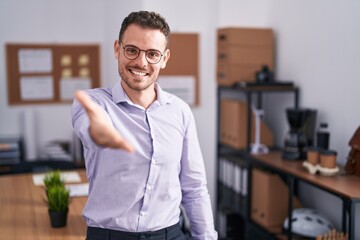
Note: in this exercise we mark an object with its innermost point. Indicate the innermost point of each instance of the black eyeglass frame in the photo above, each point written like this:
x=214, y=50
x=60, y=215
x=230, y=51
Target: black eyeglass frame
x=141, y=50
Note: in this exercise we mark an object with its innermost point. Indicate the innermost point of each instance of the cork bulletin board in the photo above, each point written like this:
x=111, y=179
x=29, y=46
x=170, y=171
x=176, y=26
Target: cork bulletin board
x=181, y=75
x=50, y=73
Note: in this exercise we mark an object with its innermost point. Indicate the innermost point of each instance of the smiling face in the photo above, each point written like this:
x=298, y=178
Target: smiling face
x=138, y=74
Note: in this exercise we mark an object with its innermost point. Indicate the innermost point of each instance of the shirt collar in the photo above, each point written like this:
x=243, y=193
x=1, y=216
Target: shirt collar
x=119, y=95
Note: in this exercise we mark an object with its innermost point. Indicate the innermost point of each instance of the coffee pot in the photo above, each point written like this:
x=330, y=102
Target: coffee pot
x=301, y=133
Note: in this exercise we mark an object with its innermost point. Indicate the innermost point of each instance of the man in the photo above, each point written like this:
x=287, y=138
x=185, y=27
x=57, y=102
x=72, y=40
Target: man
x=141, y=149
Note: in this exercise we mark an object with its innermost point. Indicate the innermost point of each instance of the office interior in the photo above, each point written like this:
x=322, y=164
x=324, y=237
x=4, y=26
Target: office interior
x=316, y=47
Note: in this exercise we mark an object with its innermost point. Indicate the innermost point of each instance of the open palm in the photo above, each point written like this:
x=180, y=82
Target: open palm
x=101, y=130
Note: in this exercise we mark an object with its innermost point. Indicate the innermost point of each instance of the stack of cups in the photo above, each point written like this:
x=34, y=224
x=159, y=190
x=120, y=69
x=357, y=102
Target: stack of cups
x=321, y=154
x=323, y=158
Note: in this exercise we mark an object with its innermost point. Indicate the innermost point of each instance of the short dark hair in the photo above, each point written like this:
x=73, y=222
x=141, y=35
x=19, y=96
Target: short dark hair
x=145, y=19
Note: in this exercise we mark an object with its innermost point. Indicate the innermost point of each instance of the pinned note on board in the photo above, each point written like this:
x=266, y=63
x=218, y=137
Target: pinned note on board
x=181, y=86
x=35, y=60
x=84, y=59
x=66, y=60
x=183, y=63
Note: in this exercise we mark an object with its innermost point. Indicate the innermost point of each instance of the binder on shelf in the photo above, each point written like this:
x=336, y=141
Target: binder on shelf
x=230, y=175
x=244, y=190
x=237, y=179
x=233, y=174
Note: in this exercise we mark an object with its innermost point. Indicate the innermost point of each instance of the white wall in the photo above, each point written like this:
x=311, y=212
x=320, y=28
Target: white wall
x=243, y=13
x=114, y=13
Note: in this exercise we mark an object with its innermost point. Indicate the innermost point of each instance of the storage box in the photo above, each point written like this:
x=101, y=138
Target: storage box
x=245, y=36
x=233, y=124
x=269, y=199
x=242, y=52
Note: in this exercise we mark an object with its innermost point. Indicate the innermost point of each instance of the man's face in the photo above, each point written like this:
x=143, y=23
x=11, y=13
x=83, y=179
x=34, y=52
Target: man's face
x=139, y=74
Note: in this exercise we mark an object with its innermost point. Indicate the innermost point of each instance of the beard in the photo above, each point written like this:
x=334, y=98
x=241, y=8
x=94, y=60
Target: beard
x=136, y=84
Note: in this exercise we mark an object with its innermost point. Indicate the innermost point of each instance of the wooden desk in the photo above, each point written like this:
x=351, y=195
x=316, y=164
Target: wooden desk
x=24, y=213
x=346, y=187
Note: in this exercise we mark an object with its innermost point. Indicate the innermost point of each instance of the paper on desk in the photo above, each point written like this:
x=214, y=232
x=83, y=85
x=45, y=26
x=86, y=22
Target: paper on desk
x=78, y=190
x=67, y=177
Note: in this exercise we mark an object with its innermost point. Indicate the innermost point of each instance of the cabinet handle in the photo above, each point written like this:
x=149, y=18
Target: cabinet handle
x=222, y=37
x=222, y=55
x=221, y=75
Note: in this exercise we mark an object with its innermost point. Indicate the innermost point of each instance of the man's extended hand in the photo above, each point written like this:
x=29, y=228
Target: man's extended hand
x=101, y=130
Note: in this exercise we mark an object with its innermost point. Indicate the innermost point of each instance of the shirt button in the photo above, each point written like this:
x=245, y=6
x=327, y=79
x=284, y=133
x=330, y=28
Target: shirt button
x=142, y=213
x=148, y=187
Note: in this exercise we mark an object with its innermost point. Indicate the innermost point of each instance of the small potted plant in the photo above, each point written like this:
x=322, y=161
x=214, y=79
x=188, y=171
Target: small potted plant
x=58, y=199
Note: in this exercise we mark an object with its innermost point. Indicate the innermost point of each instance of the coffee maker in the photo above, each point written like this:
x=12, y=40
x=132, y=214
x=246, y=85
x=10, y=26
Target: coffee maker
x=302, y=123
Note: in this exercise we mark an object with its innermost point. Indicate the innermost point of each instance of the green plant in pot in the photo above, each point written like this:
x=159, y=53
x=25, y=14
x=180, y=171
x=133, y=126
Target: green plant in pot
x=58, y=200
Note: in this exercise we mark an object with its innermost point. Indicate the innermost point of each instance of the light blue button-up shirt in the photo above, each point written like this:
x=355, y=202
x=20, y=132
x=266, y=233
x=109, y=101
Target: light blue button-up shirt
x=142, y=191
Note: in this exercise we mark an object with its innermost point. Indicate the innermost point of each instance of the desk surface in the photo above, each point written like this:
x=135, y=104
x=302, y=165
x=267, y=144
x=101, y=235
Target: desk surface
x=343, y=185
x=24, y=214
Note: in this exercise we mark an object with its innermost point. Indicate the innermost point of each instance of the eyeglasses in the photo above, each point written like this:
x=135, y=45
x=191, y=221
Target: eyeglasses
x=152, y=56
